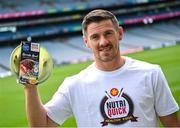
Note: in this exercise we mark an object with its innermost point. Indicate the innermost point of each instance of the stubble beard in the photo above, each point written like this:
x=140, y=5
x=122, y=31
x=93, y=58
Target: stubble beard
x=108, y=58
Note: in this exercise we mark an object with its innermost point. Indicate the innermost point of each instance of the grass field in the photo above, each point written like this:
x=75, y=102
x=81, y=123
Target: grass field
x=12, y=104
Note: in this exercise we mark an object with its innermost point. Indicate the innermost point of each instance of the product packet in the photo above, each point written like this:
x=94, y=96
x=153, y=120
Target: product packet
x=29, y=63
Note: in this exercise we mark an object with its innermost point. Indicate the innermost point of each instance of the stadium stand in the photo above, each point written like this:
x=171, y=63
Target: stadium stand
x=47, y=23
x=154, y=35
x=56, y=25
x=171, y=29
x=62, y=5
x=63, y=53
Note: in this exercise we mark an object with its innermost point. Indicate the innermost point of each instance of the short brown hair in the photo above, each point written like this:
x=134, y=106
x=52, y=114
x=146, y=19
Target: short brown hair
x=97, y=16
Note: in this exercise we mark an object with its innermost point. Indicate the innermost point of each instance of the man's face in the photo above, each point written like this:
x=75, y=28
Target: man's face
x=103, y=39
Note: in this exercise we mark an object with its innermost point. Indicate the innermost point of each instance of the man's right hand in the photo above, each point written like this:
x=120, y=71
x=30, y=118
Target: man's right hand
x=36, y=113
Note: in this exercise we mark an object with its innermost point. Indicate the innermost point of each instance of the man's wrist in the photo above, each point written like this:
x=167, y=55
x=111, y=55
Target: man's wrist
x=29, y=86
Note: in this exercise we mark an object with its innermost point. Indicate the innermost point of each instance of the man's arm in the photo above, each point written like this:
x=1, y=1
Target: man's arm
x=171, y=120
x=36, y=114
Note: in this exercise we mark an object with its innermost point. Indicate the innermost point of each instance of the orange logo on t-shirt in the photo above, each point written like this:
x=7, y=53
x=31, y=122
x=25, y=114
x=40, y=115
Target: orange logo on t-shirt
x=114, y=92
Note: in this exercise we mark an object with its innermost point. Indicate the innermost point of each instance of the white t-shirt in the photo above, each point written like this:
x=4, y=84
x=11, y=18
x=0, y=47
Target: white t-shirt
x=131, y=96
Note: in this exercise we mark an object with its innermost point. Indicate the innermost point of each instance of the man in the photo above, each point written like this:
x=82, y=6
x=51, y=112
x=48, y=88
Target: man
x=114, y=91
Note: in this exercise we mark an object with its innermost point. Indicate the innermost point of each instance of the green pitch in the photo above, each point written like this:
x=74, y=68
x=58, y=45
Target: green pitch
x=12, y=102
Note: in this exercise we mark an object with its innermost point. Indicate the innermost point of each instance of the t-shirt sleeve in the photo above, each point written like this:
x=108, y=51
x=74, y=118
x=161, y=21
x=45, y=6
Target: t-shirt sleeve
x=165, y=103
x=58, y=108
